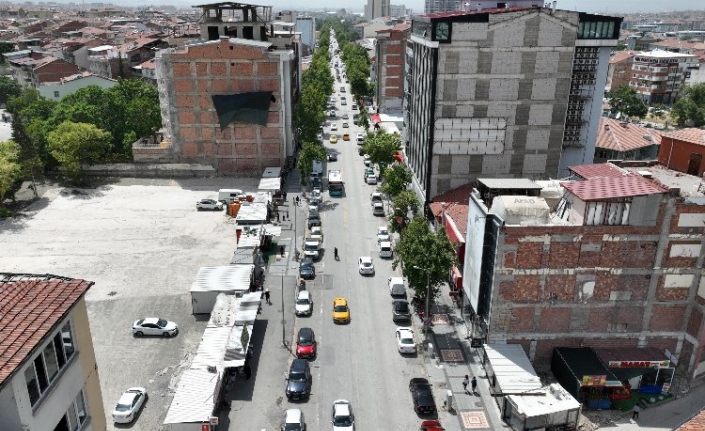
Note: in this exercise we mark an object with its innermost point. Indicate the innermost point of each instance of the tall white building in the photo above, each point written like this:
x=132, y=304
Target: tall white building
x=306, y=27
x=376, y=9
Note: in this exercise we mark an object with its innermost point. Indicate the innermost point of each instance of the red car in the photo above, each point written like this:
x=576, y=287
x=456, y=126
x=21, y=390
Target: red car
x=306, y=343
x=431, y=426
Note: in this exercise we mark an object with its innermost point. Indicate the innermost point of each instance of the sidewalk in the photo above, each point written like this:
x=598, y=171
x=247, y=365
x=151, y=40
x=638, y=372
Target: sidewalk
x=453, y=358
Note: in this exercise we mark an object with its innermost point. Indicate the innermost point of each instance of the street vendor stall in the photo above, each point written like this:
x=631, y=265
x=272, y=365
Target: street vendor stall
x=580, y=371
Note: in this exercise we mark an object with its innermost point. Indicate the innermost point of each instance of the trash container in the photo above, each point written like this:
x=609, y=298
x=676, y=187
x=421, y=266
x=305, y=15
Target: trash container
x=449, y=399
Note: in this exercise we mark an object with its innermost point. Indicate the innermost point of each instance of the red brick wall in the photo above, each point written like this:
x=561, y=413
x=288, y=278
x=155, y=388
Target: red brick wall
x=675, y=154
x=54, y=71
x=223, y=68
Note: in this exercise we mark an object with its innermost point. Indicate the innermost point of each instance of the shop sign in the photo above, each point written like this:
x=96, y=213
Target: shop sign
x=205, y=427
x=594, y=380
x=640, y=364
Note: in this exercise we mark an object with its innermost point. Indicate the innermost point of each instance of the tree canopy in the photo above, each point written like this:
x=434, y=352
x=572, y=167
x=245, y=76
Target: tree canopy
x=626, y=100
x=381, y=147
x=310, y=151
x=396, y=179
x=690, y=106
x=10, y=169
x=426, y=256
x=74, y=144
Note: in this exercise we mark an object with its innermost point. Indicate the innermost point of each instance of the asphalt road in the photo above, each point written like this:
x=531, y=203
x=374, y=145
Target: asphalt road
x=359, y=361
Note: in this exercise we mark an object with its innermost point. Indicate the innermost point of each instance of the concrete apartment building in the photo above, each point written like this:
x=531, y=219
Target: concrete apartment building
x=376, y=9
x=619, y=71
x=659, y=76
x=618, y=264
x=683, y=150
x=496, y=93
x=48, y=373
x=306, y=27
x=389, y=67
x=228, y=102
x=398, y=10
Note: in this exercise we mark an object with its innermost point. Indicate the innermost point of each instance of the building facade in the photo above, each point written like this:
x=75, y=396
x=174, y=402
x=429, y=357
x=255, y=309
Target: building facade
x=48, y=373
x=618, y=140
x=659, y=76
x=228, y=102
x=619, y=71
x=683, y=151
x=617, y=264
x=376, y=9
x=389, y=67
x=306, y=27
x=398, y=10
x=513, y=92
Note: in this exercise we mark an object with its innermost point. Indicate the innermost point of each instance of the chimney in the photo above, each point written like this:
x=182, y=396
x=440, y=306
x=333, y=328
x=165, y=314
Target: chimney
x=607, y=126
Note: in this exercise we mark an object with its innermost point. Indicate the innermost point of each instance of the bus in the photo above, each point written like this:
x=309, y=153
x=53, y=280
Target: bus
x=336, y=186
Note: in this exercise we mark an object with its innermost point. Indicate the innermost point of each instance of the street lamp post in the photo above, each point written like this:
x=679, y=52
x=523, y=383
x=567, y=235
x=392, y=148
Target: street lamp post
x=283, y=317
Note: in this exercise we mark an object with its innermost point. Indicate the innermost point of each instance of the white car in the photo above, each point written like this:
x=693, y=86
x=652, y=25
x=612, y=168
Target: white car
x=294, y=420
x=385, y=250
x=209, y=204
x=304, y=303
x=378, y=209
x=365, y=266
x=367, y=159
x=312, y=248
x=405, y=340
x=333, y=127
x=382, y=234
x=342, y=417
x=376, y=197
x=154, y=326
x=129, y=404
x=371, y=179
x=360, y=138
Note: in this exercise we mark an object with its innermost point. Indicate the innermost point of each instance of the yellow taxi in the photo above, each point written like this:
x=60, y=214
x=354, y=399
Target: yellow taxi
x=333, y=139
x=341, y=312
x=316, y=234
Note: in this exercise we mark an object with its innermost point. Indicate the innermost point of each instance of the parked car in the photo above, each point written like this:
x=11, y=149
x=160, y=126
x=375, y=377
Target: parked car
x=129, y=405
x=298, y=384
x=293, y=421
x=367, y=160
x=306, y=343
x=333, y=127
x=400, y=310
x=333, y=139
x=341, y=311
x=396, y=287
x=314, y=220
x=376, y=197
x=431, y=426
x=346, y=136
x=307, y=270
x=346, y=117
x=378, y=209
x=422, y=396
x=365, y=266
x=209, y=204
x=304, y=303
x=345, y=125
x=332, y=157
x=154, y=326
x=385, y=250
x=405, y=340
x=342, y=416
x=383, y=234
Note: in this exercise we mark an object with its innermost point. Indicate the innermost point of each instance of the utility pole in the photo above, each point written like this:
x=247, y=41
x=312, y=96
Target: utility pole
x=283, y=326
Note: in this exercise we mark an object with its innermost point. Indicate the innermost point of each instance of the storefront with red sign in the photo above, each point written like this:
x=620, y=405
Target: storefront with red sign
x=646, y=371
x=580, y=372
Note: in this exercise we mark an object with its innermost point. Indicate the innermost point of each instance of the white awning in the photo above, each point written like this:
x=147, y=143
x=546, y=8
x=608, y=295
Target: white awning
x=226, y=279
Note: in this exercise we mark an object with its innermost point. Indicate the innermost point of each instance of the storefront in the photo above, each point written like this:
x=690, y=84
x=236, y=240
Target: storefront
x=646, y=371
x=580, y=371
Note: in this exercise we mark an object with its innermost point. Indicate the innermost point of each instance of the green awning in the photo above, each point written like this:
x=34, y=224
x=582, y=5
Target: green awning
x=249, y=108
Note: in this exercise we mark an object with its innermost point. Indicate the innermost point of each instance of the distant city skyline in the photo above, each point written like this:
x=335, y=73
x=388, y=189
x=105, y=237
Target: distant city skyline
x=593, y=6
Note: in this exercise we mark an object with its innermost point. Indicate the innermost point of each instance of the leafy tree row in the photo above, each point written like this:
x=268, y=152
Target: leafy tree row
x=103, y=122
x=690, y=106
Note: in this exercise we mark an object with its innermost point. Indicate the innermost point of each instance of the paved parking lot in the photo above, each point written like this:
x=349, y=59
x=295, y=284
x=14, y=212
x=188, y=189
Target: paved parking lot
x=141, y=242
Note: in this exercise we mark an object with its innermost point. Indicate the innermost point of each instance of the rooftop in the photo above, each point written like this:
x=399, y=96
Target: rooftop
x=664, y=54
x=30, y=307
x=621, y=56
x=597, y=170
x=598, y=189
x=692, y=135
x=619, y=136
x=459, y=13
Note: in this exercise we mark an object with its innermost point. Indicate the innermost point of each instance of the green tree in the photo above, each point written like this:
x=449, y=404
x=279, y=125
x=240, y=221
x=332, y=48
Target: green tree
x=381, y=148
x=364, y=120
x=8, y=88
x=76, y=144
x=10, y=170
x=620, y=47
x=426, y=257
x=403, y=203
x=396, y=178
x=310, y=151
x=626, y=100
x=690, y=107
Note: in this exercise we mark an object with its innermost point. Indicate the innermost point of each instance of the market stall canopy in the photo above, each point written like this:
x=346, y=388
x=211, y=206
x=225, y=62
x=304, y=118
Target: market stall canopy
x=577, y=367
x=270, y=184
x=511, y=368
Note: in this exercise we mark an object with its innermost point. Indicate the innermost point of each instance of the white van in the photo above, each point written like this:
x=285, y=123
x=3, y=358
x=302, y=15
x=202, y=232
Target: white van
x=229, y=195
x=385, y=249
x=396, y=286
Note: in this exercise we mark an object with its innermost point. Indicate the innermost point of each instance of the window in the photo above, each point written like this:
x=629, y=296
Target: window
x=617, y=327
x=612, y=213
x=47, y=365
x=56, y=94
x=75, y=416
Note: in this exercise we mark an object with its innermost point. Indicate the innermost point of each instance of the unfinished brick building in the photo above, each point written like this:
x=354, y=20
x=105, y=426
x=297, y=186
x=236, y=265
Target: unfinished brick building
x=619, y=263
x=228, y=102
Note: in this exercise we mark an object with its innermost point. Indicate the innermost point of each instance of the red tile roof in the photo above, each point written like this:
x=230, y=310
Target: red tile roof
x=459, y=195
x=620, y=136
x=455, y=204
x=621, y=56
x=598, y=170
x=692, y=135
x=697, y=423
x=475, y=12
x=30, y=307
x=598, y=189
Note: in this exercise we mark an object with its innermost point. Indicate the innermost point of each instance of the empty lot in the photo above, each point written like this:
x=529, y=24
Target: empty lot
x=141, y=242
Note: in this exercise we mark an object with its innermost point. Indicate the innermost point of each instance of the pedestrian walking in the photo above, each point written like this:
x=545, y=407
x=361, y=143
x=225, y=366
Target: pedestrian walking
x=293, y=200
x=635, y=411
x=297, y=201
x=266, y=297
x=284, y=195
x=474, y=384
x=466, y=380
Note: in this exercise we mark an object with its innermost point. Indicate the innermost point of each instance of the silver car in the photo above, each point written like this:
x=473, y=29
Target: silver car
x=129, y=404
x=154, y=326
x=209, y=204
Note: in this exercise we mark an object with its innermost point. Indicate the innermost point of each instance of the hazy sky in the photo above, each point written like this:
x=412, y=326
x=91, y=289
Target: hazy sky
x=600, y=6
